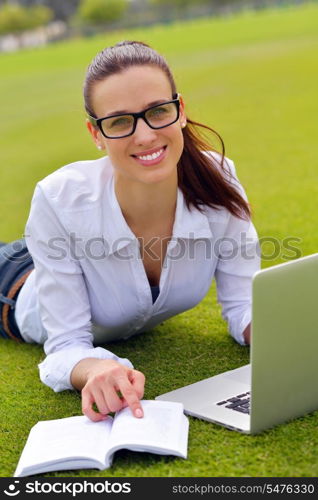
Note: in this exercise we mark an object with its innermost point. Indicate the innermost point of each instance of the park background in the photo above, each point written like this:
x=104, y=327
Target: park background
x=251, y=73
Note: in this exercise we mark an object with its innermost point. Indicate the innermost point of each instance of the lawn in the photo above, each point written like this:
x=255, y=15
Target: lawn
x=254, y=78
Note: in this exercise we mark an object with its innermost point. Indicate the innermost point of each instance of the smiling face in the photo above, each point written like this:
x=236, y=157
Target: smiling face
x=148, y=156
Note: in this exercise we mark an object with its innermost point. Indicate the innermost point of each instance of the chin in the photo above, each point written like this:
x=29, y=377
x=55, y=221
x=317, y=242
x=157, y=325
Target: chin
x=159, y=175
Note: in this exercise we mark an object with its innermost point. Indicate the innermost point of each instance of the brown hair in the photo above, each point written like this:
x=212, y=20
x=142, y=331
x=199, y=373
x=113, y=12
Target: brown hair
x=202, y=178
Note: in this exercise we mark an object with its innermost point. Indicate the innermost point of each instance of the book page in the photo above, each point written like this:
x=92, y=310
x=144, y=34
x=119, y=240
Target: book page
x=60, y=440
x=162, y=429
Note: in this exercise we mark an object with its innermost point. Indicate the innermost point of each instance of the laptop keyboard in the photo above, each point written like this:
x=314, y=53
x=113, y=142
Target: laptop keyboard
x=239, y=403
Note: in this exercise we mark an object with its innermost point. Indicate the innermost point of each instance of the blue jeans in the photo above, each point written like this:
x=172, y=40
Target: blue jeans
x=15, y=265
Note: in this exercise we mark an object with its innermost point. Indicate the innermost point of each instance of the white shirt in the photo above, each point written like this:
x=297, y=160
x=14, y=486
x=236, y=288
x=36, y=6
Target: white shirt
x=89, y=283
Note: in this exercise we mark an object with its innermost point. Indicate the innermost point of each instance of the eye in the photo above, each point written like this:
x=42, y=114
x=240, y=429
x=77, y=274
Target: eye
x=121, y=121
x=156, y=112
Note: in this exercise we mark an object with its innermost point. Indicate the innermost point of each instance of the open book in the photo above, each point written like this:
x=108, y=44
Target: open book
x=78, y=443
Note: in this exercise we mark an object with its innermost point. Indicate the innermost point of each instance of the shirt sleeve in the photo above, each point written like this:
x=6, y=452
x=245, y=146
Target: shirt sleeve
x=238, y=260
x=62, y=296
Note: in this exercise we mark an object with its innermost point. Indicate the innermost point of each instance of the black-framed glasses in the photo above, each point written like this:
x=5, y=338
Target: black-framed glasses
x=122, y=125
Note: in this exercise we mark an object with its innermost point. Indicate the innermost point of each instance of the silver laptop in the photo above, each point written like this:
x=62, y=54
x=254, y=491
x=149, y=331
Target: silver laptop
x=280, y=383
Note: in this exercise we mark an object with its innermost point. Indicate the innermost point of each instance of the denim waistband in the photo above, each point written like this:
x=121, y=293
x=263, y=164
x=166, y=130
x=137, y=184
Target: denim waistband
x=15, y=265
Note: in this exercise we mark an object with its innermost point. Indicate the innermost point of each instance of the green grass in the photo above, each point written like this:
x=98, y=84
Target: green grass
x=254, y=78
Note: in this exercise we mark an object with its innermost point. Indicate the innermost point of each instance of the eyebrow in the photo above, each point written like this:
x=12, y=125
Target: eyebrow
x=125, y=112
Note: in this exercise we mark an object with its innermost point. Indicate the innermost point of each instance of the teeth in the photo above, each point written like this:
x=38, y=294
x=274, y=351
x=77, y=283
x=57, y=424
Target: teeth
x=151, y=157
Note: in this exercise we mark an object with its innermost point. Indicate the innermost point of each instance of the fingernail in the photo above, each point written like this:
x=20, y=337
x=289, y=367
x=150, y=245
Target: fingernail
x=138, y=413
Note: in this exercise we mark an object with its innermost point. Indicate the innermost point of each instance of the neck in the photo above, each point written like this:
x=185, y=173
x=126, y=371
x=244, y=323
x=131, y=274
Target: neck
x=145, y=205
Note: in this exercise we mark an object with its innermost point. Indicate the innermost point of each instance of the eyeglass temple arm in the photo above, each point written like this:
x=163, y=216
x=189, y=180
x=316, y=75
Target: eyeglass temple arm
x=92, y=120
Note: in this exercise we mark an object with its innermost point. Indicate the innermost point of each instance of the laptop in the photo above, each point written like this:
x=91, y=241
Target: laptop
x=280, y=383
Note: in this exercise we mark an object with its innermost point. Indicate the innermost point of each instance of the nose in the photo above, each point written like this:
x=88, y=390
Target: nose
x=143, y=133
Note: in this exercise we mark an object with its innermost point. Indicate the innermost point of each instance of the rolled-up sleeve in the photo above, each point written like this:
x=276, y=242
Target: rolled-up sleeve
x=56, y=369
x=62, y=296
x=238, y=260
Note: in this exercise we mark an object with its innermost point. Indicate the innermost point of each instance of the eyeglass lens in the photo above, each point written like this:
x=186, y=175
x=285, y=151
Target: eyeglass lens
x=157, y=117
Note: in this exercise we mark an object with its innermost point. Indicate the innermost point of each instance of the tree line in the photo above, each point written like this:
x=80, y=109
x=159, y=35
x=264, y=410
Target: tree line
x=21, y=15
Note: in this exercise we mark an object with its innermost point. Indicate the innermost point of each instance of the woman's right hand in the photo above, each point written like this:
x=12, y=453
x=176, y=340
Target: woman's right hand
x=110, y=385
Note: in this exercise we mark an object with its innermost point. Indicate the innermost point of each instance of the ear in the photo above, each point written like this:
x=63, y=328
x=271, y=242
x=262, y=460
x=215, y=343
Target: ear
x=96, y=135
x=182, y=117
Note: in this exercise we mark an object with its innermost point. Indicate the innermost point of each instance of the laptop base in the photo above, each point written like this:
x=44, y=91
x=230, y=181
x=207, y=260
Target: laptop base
x=223, y=386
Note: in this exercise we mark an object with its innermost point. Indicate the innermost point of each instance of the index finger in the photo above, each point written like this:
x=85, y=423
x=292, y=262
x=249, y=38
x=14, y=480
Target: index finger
x=131, y=396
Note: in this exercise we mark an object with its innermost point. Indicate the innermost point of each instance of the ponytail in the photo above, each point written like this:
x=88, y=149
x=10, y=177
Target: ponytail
x=203, y=179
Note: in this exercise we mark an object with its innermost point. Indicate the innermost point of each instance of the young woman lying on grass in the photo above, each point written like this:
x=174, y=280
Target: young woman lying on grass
x=115, y=246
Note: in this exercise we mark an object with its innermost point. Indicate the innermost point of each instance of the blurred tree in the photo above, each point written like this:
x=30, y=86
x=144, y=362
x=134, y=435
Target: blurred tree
x=99, y=12
x=63, y=9
x=39, y=15
x=15, y=18
x=178, y=3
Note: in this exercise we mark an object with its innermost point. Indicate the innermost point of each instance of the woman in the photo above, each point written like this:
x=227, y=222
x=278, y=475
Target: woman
x=121, y=243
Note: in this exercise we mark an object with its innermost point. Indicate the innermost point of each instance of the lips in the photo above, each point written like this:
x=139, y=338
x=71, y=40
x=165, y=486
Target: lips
x=151, y=156
x=149, y=152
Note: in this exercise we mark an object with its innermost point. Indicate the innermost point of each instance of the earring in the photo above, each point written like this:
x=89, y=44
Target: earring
x=99, y=147
x=183, y=125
